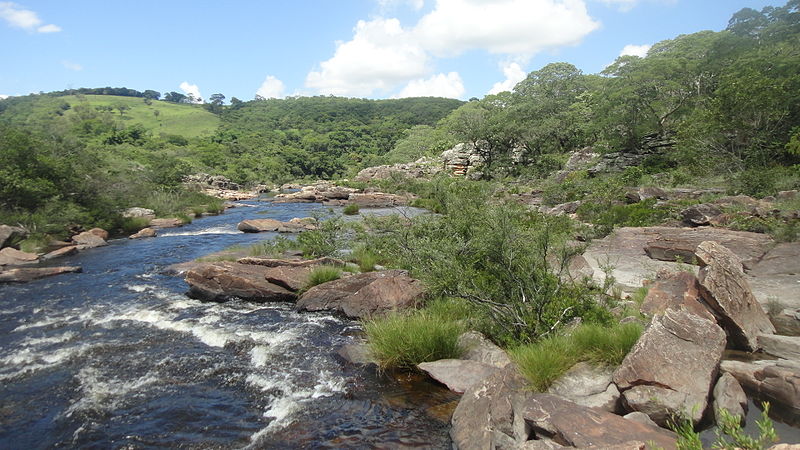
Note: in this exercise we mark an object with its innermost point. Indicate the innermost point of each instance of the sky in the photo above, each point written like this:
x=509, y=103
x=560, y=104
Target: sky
x=352, y=48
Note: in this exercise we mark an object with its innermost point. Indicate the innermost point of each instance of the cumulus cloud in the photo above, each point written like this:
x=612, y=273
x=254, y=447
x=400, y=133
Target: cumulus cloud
x=386, y=4
x=518, y=27
x=514, y=74
x=635, y=50
x=441, y=85
x=3, y=97
x=72, y=65
x=380, y=56
x=191, y=89
x=28, y=20
x=271, y=88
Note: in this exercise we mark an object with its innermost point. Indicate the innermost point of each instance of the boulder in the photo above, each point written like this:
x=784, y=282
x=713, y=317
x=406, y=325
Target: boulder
x=457, y=374
x=12, y=257
x=11, y=235
x=99, y=232
x=681, y=244
x=139, y=212
x=786, y=321
x=358, y=354
x=778, y=381
x=292, y=278
x=379, y=200
x=700, y=214
x=672, y=367
x=144, y=233
x=730, y=396
x=63, y=251
x=775, y=277
x=787, y=347
x=87, y=239
x=725, y=289
x=640, y=417
x=364, y=295
x=645, y=193
x=563, y=209
x=477, y=348
x=295, y=225
x=23, y=275
x=676, y=290
x=225, y=280
x=588, y=385
x=566, y=423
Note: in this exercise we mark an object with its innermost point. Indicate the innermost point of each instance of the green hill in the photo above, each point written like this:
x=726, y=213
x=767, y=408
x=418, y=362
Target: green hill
x=157, y=116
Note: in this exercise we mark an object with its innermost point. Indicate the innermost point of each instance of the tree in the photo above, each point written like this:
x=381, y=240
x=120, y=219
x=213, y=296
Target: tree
x=152, y=95
x=175, y=97
x=215, y=103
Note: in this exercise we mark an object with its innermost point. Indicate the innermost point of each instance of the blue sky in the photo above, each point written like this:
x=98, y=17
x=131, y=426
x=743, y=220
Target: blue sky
x=354, y=48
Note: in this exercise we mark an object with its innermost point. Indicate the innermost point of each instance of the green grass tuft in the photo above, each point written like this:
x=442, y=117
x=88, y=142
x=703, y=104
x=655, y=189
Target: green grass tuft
x=405, y=340
x=323, y=274
x=351, y=209
x=365, y=258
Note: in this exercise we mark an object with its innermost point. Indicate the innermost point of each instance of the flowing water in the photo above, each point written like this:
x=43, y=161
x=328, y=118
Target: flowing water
x=118, y=356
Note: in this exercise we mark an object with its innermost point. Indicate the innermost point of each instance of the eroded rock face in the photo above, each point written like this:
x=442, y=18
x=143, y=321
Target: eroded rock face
x=457, y=374
x=99, y=232
x=292, y=278
x=10, y=235
x=379, y=200
x=730, y=396
x=787, y=347
x=23, y=275
x=588, y=385
x=87, y=239
x=776, y=275
x=364, y=294
x=12, y=257
x=672, y=367
x=418, y=169
x=222, y=281
x=700, y=214
x=725, y=289
x=676, y=290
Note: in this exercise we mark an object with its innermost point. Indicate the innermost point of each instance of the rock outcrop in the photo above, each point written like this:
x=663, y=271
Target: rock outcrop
x=139, y=212
x=63, y=251
x=477, y=348
x=420, y=168
x=87, y=239
x=11, y=235
x=729, y=395
x=464, y=157
x=725, y=289
x=778, y=381
x=295, y=225
x=457, y=374
x=672, y=367
x=223, y=281
x=25, y=274
x=144, y=233
x=12, y=257
x=589, y=386
x=364, y=295
x=676, y=290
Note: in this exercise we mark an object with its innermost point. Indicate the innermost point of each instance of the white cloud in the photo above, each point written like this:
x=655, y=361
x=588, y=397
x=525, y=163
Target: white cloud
x=514, y=74
x=191, y=89
x=386, y=4
x=3, y=97
x=26, y=19
x=441, y=85
x=635, y=50
x=518, y=27
x=380, y=56
x=72, y=65
x=271, y=88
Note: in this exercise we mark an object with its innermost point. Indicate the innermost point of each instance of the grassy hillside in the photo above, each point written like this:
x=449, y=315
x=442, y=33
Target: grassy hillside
x=158, y=116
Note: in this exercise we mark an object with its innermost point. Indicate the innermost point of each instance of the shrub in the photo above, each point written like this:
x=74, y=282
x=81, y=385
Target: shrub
x=405, y=340
x=323, y=274
x=324, y=241
x=351, y=209
x=272, y=248
x=35, y=243
x=365, y=258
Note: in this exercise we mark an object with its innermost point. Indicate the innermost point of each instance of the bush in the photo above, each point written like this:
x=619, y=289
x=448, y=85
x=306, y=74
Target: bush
x=324, y=241
x=405, y=340
x=272, y=248
x=134, y=224
x=365, y=258
x=545, y=361
x=323, y=274
x=351, y=209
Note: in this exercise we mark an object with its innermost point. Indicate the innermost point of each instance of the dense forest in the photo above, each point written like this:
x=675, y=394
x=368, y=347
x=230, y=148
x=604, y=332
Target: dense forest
x=725, y=104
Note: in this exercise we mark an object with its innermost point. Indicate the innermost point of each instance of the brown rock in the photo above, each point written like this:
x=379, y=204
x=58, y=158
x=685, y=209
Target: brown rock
x=99, y=232
x=23, y=275
x=12, y=257
x=677, y=290
x=144, y=233
x=589, y=386
x=776, y=276
x=787, y=347
x=166, y=223
x=364, y=294
x=222, y=281
x=778, y=381
x=63, y=251
x=725, y=289
x=378, y=200
x=358, y=354
x=259, y=225
x=672, y=367
x=700, y=214
x=477, y=348
x=730, y=396
x=276, y=262
x=457, y=374
x=292, y=278
x=681, y=243
x=88, y=239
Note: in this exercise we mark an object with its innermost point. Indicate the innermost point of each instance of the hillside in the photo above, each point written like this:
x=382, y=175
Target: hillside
x=159, y=117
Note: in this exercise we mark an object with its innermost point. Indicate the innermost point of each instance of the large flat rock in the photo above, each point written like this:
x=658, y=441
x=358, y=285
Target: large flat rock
x=672, y=367
x=457, y=374
x=10, y=235
x=222, y=281
x=778, y=380
x=364, y=294
x=588, y=385
x=25, y=274
x=775, y=278
x=10, y=256
x=477, y=348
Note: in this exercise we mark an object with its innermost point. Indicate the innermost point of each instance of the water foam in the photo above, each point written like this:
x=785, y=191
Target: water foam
x=211, y=230
x=105, y=393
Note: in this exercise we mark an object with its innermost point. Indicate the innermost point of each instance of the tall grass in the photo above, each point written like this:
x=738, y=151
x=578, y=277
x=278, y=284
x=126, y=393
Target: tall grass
x=323, y=274
x=545, y=361
x=365, y=258
x=405, y=340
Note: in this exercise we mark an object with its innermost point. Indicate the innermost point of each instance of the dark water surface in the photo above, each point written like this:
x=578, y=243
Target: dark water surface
x=118, y=356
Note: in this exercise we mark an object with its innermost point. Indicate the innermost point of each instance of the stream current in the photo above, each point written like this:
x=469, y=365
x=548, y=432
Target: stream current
x=118, y=356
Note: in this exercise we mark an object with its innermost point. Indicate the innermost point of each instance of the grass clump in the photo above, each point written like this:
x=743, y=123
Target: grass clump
x=365, y=258
x=134, y=224
x=274, y=248
x=323, y=274
x=545, y=361
x=351, y=209
x=405, y=340
x=324, y=241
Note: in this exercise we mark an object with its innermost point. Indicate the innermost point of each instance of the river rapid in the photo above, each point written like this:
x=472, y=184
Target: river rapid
x=118, y=356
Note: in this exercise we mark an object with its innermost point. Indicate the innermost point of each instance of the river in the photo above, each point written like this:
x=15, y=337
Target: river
x=118, y=356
